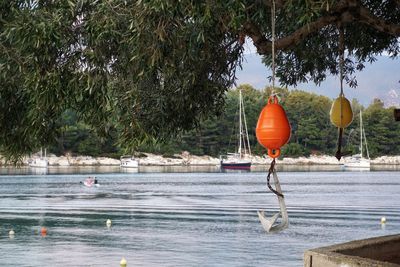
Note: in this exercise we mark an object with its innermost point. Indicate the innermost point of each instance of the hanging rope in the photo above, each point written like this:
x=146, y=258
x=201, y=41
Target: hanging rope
x=341, y=57
x=273, y=42
x=272, y=167
x=271, y=171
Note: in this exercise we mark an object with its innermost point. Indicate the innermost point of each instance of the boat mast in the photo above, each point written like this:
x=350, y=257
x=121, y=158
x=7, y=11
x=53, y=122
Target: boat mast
x=240, y=124
x=361, y=134
x=246, y=138
x=366, y=144
x=365, y=139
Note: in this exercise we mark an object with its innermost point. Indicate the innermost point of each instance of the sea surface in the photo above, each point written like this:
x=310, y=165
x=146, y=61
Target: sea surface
x=202, y=218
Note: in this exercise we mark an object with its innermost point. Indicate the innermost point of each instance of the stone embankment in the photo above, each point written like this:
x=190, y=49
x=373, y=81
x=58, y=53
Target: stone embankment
x=186, y=159
x=387, y=160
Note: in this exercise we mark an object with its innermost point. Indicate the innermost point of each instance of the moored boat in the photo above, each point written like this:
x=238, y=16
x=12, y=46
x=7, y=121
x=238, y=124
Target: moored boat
x=240, y=160
x=358, y=161
x=129, y=162
x=39, y=162
x=235, y=162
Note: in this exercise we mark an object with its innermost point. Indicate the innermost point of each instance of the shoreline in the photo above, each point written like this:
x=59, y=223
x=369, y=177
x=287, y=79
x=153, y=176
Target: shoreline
x=186, y=159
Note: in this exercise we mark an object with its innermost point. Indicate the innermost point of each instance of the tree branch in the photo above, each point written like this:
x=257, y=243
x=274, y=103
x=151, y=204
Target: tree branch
x=264, y=46
x=278, y=3
x=344, y=11
x=377, y=23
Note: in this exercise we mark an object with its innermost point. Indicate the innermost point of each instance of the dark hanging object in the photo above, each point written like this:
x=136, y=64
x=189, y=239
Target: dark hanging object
x=396, y=113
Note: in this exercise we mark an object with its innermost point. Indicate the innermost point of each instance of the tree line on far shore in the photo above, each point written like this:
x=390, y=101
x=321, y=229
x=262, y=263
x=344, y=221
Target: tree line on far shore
x=308, y=113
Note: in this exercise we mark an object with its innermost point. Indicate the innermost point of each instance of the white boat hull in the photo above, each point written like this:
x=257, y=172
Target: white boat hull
x=39, y=163
x=129, y=163
x=358, y=164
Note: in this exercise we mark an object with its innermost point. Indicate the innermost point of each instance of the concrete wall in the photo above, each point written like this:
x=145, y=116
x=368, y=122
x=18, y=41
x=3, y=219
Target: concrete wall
x=379, y=251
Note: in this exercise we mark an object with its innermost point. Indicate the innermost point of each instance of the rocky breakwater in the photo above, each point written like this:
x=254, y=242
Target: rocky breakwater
x=187, y=159
x=77, y=161
x=183, y=159
x=311, y=160
x=91, y=161
x=386, y=160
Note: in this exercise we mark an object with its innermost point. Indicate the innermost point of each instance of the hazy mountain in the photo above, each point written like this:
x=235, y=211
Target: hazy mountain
x=392, y=98
x=378, y=80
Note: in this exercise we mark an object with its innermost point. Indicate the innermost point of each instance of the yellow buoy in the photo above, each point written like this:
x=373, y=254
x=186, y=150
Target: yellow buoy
x=108, y=223
x=341, y=113
x=122, y=263
x=383, y=220
x=341, y=116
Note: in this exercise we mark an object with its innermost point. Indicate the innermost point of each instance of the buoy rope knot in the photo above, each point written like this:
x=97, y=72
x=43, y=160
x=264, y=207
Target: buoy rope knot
x=273, y=99
x=270, y=171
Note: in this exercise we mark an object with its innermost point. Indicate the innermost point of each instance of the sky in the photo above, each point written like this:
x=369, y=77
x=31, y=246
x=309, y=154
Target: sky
x=381, y=79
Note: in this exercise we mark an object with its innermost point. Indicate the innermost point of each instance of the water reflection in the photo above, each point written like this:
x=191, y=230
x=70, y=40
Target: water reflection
x=129, y=170
x=10, y=170
x=38, y=171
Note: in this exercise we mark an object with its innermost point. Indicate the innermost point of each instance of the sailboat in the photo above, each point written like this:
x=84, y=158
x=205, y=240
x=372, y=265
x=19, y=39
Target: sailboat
x=41, y=162
x=241, y=159
x=358, y=161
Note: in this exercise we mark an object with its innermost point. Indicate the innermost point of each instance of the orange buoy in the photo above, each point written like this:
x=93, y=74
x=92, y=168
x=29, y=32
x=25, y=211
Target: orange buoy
x=43, y=231
x=273, y=128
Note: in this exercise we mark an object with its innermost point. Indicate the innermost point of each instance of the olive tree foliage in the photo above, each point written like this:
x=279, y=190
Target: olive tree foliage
x=151, y=68
x=157, y=67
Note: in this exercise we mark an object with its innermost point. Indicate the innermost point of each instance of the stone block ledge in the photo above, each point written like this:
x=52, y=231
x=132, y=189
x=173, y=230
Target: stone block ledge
x=383, y=251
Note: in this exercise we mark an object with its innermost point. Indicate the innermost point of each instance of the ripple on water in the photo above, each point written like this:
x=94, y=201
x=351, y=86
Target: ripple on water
x=188, y=219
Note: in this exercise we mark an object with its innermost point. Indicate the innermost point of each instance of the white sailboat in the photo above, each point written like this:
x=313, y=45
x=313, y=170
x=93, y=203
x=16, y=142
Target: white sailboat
x=358, y=161
x=41, y=162
x=241, y=159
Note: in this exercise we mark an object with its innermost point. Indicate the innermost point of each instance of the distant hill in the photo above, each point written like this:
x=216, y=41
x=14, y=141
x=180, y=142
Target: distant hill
x=378, y=80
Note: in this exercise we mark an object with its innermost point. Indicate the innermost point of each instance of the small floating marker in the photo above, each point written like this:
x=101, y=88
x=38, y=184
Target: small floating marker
x=43, y=231
x=11, y=233
x=108, y=223
x=383, y=220
x=122, y=263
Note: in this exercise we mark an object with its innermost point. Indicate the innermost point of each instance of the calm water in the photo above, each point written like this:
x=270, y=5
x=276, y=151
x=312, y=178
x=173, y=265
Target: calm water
x=188, y=219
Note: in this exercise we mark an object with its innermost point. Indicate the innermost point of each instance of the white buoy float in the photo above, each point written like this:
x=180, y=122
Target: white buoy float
x=108, y=223
x=11, y=234
x=383, y=220
x=122, y=263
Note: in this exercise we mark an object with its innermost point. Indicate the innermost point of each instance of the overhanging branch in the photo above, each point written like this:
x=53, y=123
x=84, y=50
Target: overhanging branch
x=379, y=24
x=264, y=45
x=344, y=11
